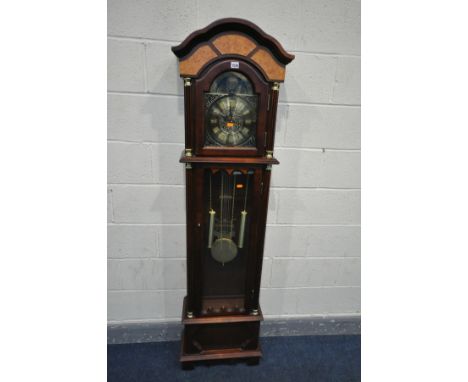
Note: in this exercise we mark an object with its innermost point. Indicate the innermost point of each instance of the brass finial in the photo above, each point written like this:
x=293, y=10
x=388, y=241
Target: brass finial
x=187, y=81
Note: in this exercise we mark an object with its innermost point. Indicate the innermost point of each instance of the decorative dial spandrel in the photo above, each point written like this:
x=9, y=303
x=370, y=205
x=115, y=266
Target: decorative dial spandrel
x=231, y=111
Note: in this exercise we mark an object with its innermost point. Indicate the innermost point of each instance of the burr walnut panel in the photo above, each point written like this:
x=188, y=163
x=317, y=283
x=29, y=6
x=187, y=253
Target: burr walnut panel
x=199, y=57
x=272, y=68
x=231, y=44
x=234, y=44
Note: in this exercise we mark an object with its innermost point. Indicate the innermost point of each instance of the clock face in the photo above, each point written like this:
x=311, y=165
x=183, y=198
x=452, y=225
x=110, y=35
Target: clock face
x=230, y=111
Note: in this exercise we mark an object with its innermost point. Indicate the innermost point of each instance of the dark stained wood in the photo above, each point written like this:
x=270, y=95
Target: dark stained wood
x=223, y=354
x=191, y=276
x=221, y=312
x=220, y=341
x=234, y=25
x=188, y=361
x=251, y=303
x=270, y=142
x=197, y=227
x=218, y=319
x=261, y=228
x=223, y=306
x=188, y=117
x=228, y=160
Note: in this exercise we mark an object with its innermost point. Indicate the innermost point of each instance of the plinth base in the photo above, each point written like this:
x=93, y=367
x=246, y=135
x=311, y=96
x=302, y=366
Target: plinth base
x=220, y=338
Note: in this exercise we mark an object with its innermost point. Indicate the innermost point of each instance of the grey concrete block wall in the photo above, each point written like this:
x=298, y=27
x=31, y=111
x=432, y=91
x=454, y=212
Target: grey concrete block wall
x=312, y=251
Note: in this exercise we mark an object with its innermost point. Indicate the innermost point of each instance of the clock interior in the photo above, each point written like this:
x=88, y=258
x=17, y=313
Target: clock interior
x=227, y=216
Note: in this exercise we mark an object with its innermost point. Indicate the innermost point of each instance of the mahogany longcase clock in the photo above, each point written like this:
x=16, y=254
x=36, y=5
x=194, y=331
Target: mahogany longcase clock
x=231, y=71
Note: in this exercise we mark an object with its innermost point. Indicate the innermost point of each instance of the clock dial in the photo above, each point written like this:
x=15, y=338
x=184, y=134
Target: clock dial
x=231, y=111
x=231, y=121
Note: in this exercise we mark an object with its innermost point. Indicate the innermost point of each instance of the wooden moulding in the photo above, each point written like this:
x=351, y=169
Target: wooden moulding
x=248, y=325
x=226, y=319
x=219, y=354
x=232, y=37
x=228, y=160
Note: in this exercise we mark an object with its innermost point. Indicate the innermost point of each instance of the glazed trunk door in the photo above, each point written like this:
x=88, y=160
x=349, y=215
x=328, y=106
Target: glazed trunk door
x=227, y=245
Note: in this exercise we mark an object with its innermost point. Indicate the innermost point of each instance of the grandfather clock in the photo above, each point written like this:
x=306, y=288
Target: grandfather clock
x=231, y=72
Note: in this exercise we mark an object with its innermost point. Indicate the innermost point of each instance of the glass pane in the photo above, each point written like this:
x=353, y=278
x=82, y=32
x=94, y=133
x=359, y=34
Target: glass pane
x=231, y=111
x=226, y=239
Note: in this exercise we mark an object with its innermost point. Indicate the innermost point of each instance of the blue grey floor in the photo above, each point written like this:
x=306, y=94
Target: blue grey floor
x=301, y=358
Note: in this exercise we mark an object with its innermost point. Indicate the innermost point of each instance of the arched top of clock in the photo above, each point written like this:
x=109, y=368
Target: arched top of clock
x=232, y=37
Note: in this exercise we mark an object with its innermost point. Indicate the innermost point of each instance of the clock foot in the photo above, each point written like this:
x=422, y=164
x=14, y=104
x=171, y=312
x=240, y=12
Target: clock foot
x=253, y=361
x=186, y=365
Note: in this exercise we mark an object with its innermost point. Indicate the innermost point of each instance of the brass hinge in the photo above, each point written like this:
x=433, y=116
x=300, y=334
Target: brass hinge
x=261, y=188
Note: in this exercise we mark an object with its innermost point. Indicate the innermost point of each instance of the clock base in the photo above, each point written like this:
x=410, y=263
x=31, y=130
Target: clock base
x=252, y=356
x=220, y=338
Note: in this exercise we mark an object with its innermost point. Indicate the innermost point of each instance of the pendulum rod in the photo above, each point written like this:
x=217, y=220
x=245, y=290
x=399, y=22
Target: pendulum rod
x=212, y=218
x=243, y=216
x=233, y=203
x=226, y=209
x=221, y=202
